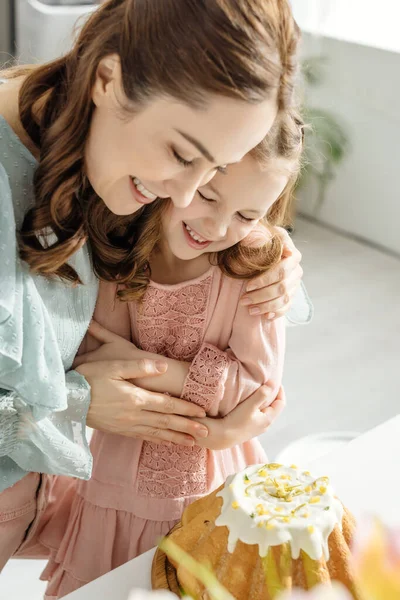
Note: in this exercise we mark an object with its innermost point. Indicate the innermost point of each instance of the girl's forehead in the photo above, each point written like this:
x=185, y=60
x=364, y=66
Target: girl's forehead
x=249, y=185
x=248, y=172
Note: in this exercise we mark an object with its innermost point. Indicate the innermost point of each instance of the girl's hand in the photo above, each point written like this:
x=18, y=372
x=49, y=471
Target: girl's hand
x=248, y=420
x=271, y=294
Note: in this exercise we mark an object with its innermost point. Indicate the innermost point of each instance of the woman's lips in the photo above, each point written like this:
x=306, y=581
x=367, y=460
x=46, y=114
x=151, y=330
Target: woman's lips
x=139, y=197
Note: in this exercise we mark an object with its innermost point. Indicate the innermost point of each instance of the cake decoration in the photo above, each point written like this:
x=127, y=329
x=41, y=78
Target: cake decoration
x=272, y=504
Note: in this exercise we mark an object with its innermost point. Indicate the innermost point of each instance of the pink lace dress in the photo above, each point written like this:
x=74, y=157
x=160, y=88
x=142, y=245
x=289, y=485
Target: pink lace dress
x=139, y=489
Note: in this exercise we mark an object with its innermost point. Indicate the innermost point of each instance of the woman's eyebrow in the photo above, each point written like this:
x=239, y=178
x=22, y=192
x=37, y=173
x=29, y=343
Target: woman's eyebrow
x=198, y=145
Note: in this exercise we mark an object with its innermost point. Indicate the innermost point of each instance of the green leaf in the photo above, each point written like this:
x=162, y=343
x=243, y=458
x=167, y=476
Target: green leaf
x=312, y=69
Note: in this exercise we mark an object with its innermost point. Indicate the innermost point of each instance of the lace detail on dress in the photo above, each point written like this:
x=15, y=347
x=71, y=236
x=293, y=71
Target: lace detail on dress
x=172, y=471
x=206, y=378
x=172, y=323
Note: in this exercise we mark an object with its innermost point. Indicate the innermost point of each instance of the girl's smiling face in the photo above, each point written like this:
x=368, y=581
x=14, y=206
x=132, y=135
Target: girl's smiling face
x=225, y=210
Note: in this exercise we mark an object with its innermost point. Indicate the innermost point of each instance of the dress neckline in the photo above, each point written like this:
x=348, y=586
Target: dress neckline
x=182, y=284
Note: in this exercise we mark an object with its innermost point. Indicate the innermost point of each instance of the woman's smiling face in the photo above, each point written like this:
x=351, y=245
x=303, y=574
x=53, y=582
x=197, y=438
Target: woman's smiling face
x=165, y=149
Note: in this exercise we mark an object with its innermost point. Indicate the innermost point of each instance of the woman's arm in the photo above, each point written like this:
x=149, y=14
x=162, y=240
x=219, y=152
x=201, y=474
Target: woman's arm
x=33, y=387
x=273, y=293
x=254, y=356
x=114, y=347
x=43, y=410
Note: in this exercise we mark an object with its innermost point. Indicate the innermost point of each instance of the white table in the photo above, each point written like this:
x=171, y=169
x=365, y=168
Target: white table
x=360, y=472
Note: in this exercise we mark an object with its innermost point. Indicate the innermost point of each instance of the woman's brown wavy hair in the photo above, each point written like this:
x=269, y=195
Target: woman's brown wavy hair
x=187, y=49
x=243, y=260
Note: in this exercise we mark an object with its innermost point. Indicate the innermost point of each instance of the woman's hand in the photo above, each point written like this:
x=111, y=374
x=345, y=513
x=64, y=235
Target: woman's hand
x=114, y=347
x=248, y=420
x=120, y=407
x=271, y=294
x=171, y=377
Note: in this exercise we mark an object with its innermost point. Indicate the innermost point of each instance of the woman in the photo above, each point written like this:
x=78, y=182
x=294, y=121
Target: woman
x=141, y=108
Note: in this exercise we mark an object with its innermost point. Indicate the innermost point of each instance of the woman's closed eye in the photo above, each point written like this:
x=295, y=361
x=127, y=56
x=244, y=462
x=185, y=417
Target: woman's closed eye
x=181, y=160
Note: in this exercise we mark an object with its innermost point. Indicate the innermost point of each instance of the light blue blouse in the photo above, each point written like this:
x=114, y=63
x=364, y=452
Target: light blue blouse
x=43, y=404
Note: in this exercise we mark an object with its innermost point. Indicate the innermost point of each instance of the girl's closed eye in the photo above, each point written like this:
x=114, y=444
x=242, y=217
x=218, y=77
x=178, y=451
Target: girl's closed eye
x=246, y=219
x=238, y=214
x=205, y=197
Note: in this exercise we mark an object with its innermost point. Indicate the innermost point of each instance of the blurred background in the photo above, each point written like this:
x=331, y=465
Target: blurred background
x=341, y=373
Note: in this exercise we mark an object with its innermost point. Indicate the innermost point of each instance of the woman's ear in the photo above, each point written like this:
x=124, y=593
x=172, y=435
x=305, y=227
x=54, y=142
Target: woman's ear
x=108, y=80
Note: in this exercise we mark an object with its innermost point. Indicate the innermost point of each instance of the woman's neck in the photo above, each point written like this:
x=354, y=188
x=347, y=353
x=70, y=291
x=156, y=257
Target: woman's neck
x=167, y=269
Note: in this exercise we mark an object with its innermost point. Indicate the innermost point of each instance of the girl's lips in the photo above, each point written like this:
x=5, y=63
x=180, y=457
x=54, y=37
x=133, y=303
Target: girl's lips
x=138, y=196
x=192, y=242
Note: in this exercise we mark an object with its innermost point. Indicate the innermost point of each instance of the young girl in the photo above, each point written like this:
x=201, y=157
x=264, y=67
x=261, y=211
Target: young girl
x=193, y=264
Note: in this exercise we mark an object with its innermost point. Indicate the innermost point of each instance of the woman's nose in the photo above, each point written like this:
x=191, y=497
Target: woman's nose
x=182, y=191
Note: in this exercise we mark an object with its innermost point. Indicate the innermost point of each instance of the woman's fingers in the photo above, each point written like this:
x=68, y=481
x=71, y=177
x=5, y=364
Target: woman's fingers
x=274, y=308
x=163, y=403
x=274, y=291
x=122, y=369
x=160, y=436
x=159, y=422
x=83, y=358
x=273, y=284
x=101, y=334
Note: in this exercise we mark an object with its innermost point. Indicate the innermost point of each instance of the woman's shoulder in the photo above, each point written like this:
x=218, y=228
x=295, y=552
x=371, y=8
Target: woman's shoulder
x=9, y=111
x=9, y=94
x=17, y=164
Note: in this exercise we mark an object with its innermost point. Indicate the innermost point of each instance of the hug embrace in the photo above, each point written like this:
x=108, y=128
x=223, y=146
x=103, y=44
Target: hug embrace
x=146, y=181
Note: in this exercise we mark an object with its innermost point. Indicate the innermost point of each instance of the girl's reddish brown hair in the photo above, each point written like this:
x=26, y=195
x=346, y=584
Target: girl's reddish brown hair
x=243, y=260
x=244, y=49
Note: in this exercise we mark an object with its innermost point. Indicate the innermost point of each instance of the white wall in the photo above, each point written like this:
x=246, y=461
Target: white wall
x=362, y=85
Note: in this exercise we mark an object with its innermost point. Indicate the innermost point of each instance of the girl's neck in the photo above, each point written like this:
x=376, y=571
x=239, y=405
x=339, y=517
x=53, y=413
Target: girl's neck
x=167, y=269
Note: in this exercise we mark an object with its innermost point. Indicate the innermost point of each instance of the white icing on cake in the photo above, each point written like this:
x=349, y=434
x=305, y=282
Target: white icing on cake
x=271, y=504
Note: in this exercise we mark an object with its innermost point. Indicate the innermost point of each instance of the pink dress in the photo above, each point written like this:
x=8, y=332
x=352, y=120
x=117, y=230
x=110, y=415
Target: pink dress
x=139, y=489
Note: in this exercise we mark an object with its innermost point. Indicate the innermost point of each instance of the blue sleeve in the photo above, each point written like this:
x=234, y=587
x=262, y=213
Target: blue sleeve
x=302, y=310
x=42, y=410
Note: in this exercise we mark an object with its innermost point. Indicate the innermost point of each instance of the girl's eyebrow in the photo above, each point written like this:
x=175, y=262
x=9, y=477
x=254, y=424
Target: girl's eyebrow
x=253, y=211
x=213, y=189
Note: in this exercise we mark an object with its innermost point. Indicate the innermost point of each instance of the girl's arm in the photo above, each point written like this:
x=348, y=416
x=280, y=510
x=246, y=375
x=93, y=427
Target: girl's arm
x=215, y=378
x=254, y=356
x=248, y=420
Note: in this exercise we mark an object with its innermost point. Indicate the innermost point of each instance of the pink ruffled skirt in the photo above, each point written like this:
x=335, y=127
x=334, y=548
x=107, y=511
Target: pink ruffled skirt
x=99, y=524
x=96, y=540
